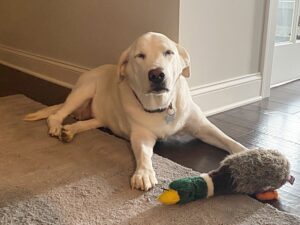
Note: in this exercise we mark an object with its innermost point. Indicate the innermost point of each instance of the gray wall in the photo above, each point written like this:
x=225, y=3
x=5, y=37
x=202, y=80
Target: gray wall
x=224, y=38
x=87, y=33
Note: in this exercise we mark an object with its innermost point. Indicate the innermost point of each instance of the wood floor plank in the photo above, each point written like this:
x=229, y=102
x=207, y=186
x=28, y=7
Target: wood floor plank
x=267, y=104
x=16, y=82
x=295, y=85
x=230, y=129
x=291, y=91
x=283, y=97
x=273, y=123
x=191, y=153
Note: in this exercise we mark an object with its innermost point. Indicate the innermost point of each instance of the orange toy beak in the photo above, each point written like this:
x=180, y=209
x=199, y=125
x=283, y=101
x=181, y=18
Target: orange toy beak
x=267, y=196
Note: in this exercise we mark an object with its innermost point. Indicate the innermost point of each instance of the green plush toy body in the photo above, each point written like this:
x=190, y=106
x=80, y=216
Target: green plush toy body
x=250, y=172
x=188, y=189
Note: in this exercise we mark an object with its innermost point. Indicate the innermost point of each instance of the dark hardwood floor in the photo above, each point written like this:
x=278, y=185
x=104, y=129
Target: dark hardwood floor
x=271, y=123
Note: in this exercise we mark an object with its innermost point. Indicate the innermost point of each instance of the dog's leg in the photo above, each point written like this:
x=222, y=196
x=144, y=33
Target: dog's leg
x=199, y=126
x=75, y=99
x=142, y=142
x=69, y=131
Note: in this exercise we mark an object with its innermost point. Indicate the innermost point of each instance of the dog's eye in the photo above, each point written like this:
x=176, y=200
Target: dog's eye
x=168, y=52
x=141, y=56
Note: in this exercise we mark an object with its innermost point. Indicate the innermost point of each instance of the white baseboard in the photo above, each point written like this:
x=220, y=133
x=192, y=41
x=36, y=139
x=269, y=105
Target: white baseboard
x=212, y=98
x=53, y=70
x=283, y=83
x=228, y=94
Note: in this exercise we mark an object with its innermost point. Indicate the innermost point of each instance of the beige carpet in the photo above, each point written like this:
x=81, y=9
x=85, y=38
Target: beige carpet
x=43, y=181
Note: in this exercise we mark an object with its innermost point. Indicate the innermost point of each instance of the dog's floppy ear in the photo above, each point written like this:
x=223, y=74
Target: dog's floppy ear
x=123, y=60
x=185, y=61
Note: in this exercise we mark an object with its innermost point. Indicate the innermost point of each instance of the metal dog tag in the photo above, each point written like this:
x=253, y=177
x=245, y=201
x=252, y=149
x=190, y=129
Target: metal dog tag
x=170, y=115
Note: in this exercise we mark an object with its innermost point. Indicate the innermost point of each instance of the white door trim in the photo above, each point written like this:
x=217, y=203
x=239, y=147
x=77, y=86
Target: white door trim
x=268, y=46
x=295, y=22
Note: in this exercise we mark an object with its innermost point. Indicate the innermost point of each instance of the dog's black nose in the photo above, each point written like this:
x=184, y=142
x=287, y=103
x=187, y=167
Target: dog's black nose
x=156, y=75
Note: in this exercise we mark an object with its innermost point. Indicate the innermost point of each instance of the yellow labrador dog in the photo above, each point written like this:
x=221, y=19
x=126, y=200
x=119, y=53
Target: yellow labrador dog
x=143, y=98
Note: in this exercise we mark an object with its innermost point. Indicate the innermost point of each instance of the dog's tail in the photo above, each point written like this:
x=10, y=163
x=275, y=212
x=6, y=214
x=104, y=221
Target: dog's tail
x=43, y=113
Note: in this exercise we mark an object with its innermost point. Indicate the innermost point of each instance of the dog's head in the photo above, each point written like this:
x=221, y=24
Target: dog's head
x=152, y=65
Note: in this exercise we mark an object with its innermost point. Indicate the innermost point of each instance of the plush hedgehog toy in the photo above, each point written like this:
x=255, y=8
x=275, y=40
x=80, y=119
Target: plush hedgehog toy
x=254, y=172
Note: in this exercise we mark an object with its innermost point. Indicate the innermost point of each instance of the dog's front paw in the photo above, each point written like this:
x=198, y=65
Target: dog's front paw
x=143, y=179
x=66, y=134
x=54, y=131
x=54, y=126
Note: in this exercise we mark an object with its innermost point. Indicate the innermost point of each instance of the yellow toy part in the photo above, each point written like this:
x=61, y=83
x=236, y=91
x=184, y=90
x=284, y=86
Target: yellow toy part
x=169, y=197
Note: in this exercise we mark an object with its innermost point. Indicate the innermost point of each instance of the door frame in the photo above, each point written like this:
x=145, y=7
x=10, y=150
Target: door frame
x=269, y=43
x=268, y=46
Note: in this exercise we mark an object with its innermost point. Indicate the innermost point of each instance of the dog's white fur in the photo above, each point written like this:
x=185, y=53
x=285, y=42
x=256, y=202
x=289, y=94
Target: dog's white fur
x=118, y=96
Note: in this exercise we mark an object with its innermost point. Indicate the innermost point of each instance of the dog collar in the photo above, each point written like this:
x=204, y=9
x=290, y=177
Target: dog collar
x=170, y=110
